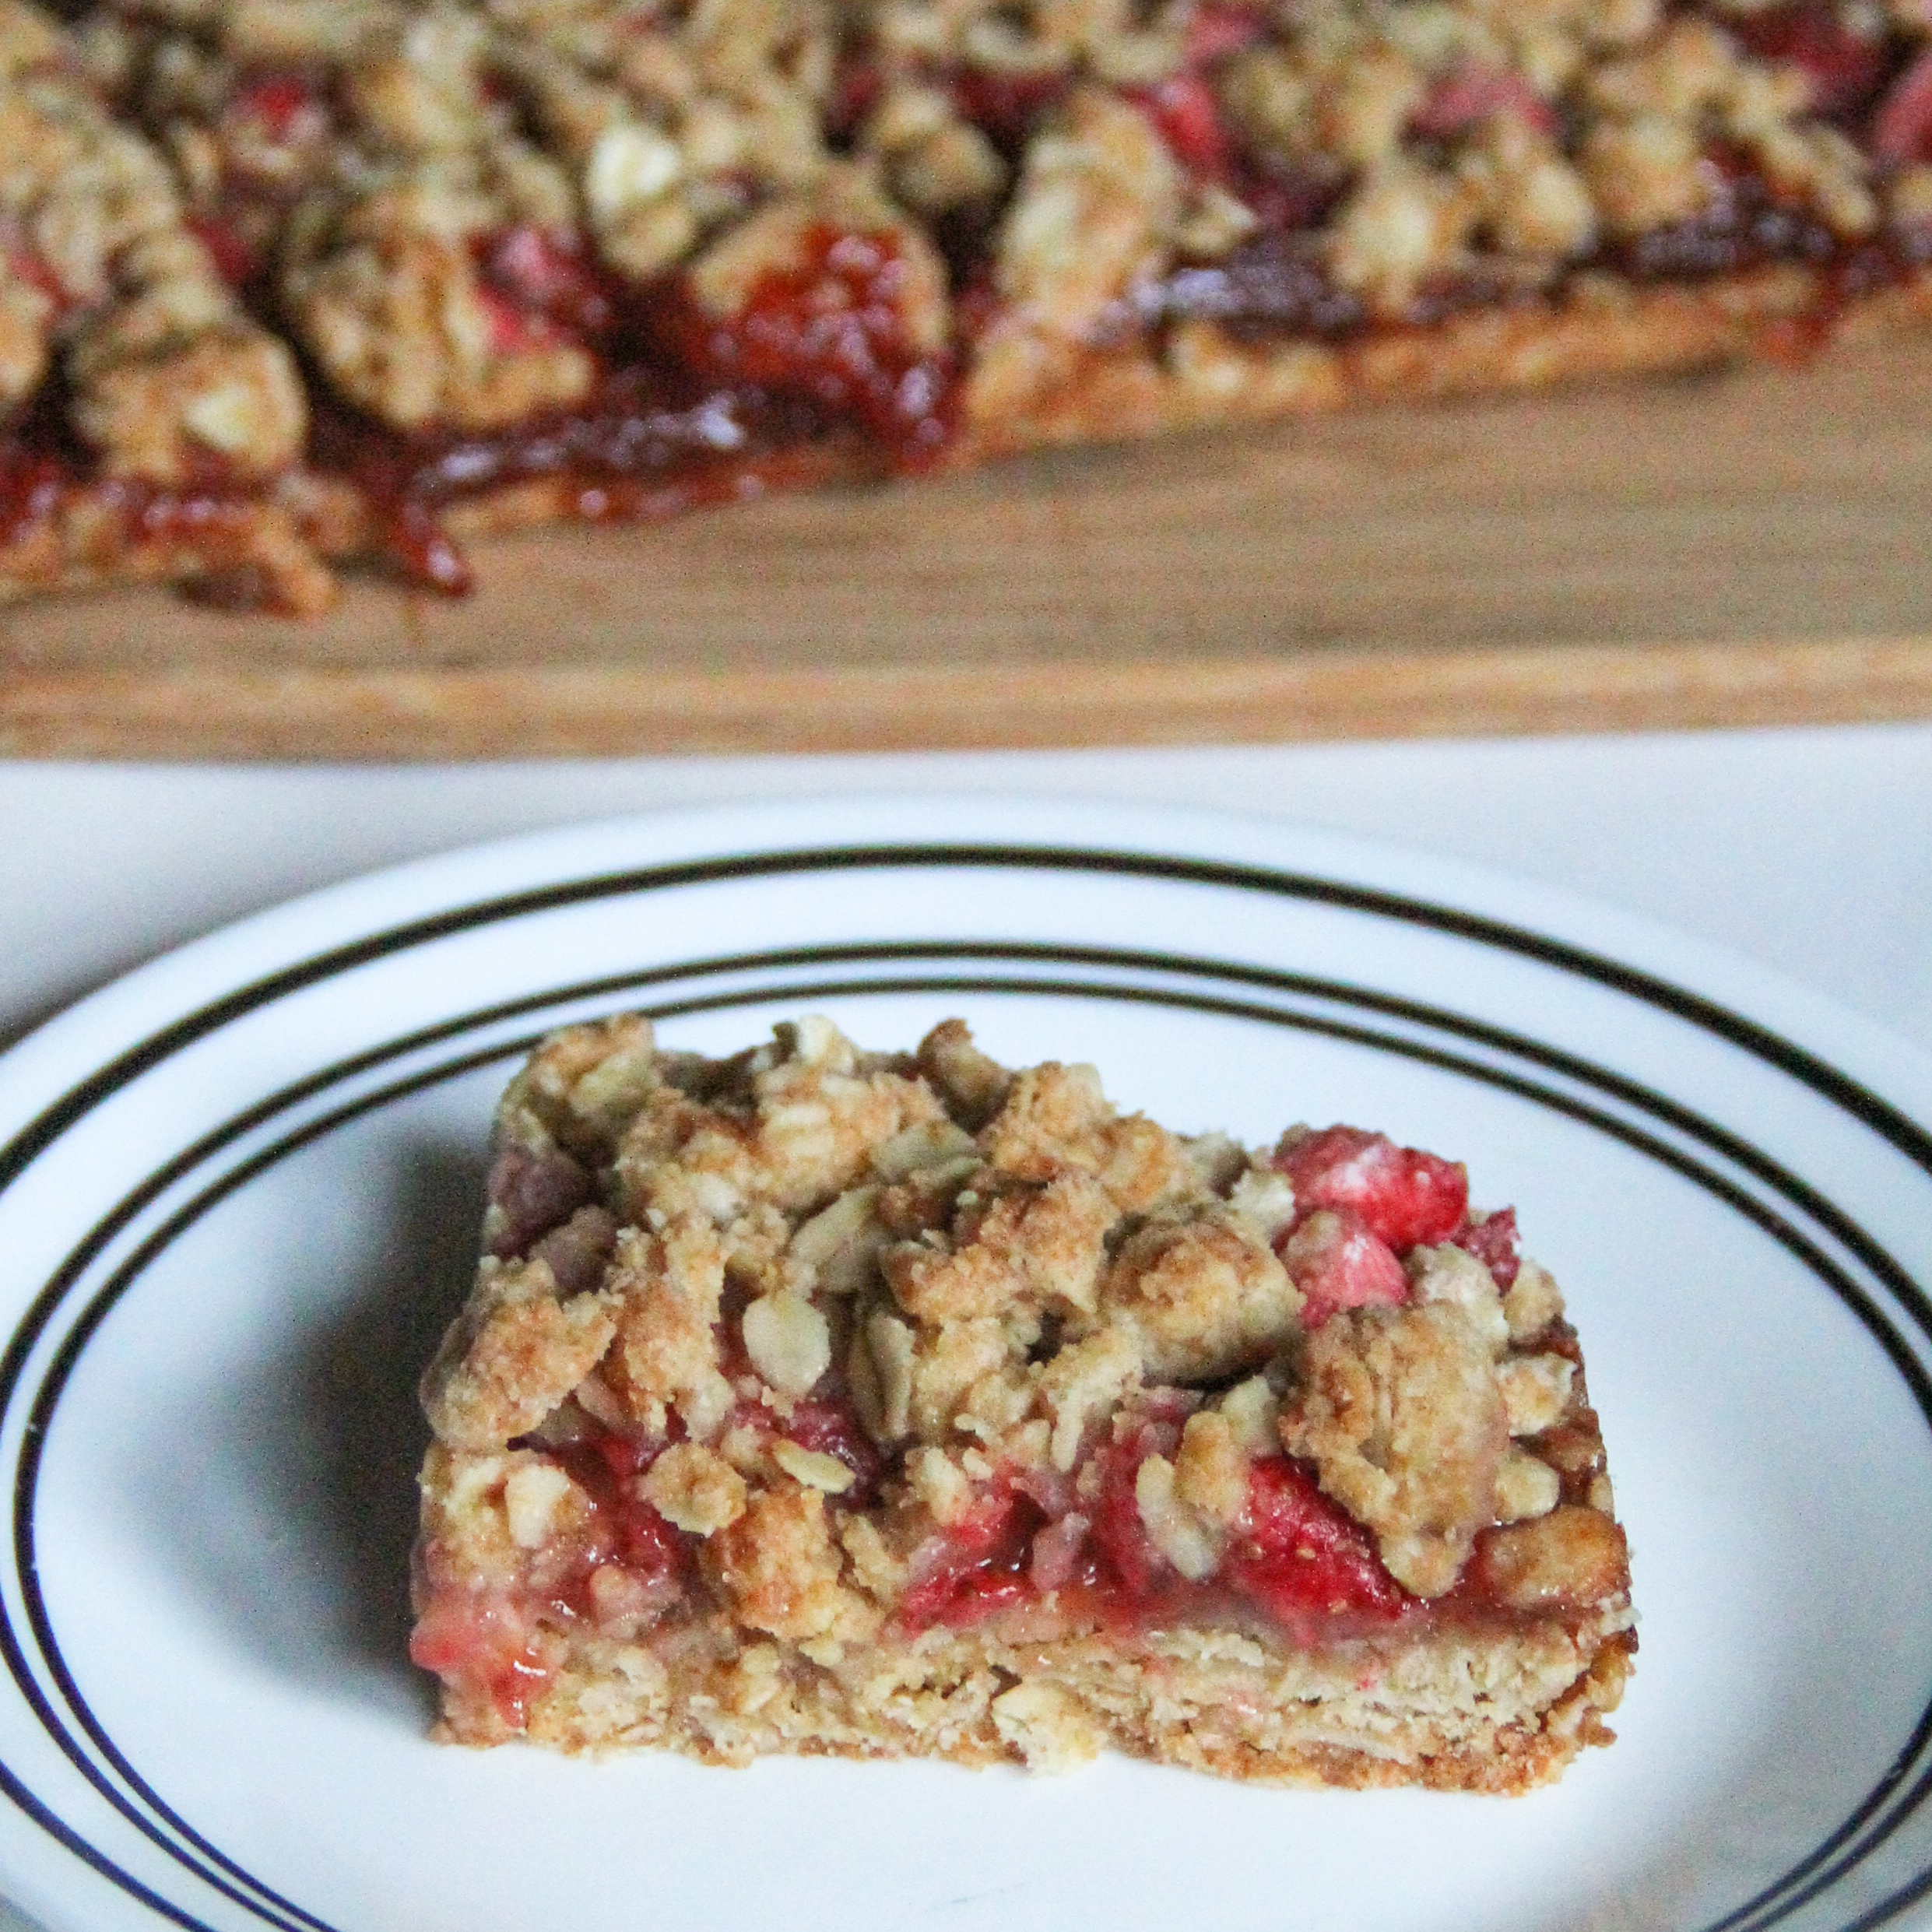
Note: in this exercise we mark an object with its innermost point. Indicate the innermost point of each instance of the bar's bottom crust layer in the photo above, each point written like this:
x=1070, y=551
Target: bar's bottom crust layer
x=1496, y=1711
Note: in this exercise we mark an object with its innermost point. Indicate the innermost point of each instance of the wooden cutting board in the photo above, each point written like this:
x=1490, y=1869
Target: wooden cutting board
x=1743, y=548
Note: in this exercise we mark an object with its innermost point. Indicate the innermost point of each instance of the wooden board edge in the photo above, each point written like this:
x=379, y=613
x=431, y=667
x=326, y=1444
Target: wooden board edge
x=314, y=714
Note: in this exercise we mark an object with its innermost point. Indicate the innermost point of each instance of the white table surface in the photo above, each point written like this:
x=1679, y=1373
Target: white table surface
x=1810, y=851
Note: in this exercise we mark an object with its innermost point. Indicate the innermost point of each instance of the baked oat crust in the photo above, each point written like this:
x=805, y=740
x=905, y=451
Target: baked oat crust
x=824, y=1401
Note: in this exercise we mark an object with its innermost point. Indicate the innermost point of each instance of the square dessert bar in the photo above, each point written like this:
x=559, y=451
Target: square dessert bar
x=903, y=1405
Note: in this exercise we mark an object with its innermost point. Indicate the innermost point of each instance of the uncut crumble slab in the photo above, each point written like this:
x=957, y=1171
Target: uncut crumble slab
x=286, y=284
x=904, y=1405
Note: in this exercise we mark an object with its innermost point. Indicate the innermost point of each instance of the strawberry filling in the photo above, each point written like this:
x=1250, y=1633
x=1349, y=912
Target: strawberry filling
x=485, y=1643
x=1293, y=1556
x=1402, y=1197
x=1472, y=94
x=1844, y=69
x=1120, y=1536
x=830, y=329
x=1337, y=1261
x=978, y=1568
x=623, y=1561
x=696, y=408
x=1493, y=1241
x=1183, y=112
x=1302, y=1558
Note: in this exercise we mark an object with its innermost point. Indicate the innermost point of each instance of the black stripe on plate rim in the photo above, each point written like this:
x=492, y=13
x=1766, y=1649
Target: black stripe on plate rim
x=1742, y=1917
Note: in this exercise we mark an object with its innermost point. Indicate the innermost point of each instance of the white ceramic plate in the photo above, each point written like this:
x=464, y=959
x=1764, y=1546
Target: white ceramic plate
x=237, y=1196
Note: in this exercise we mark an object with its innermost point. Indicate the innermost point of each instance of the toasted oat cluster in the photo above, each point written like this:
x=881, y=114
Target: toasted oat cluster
x=818, y=1400
x=288, y=281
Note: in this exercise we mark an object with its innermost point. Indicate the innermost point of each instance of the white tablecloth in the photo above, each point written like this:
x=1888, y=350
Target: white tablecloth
x=1811, y=852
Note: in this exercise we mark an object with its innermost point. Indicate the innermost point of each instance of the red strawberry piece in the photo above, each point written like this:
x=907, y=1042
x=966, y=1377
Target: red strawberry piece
x=1185, y=115
x=1337, y=1263
x=1492, y=1241
x=1218, y=30
x=1006, y=106
x=1404, y=1195
x=546, y=273
x=1472, y=94
x=1298, y=1554
x=235, y=261
x=1844, y=68
x=1902, y=129
x=285, y=104
x=1118, y=1534
x=973, y=1567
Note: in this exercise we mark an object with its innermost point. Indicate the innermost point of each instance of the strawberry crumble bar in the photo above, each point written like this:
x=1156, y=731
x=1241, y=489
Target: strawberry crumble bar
x=894, y=1405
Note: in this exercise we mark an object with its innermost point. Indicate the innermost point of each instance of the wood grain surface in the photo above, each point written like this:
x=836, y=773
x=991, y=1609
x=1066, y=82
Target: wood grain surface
x=1748, y=548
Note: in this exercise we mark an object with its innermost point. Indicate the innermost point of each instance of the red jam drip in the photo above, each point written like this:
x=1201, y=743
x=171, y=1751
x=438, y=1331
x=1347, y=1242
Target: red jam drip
x=829, y=328
x=627, y=454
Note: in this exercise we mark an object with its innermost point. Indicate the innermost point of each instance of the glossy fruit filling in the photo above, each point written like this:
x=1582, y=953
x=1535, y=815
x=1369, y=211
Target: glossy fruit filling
x=816, y=376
